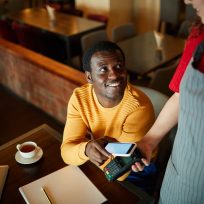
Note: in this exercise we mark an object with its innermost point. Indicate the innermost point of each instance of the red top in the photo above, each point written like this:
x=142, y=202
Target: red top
x=193, y=40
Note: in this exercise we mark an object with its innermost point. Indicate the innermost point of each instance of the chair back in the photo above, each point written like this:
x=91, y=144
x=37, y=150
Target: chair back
x=72, y=11
x=98, y=17
x=91, y=38
x=170, y=14
x=169, y=11
x=56, y=6
x=157, y=98
x=123, y=32
x=162, y=77
x=7, y=32
x=60, y=5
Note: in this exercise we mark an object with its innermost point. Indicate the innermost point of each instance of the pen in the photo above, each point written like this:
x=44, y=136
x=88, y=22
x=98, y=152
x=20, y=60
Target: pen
x=46, y=195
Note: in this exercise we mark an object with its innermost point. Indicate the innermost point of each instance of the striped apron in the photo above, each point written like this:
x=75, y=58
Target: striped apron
x=184, y=178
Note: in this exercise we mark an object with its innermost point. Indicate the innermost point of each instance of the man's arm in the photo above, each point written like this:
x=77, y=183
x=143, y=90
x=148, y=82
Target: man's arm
x=76, y=148
x=74, y=136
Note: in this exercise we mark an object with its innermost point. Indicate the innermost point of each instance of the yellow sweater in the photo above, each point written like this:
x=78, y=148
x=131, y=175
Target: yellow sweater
x=126, y=122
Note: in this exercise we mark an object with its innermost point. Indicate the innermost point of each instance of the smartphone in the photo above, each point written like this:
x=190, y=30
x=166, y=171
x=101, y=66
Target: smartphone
x=120, y=149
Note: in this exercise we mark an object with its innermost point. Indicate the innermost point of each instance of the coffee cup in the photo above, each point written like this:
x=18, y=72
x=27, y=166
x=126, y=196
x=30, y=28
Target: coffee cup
x=27, y=149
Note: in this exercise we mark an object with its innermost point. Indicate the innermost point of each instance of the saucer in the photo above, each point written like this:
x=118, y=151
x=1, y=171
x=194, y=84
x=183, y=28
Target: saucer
x=32, y=160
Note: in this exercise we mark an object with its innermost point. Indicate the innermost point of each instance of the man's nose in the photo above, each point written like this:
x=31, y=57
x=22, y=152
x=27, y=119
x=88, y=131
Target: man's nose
x=113, y=73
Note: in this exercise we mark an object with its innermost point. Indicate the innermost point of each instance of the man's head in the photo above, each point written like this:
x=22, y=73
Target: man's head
x=104, y=65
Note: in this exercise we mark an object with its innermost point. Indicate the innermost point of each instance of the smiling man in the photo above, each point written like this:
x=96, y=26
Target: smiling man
x=107, y=107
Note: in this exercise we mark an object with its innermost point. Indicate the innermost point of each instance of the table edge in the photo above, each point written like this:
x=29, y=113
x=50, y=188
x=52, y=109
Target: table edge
x=55, y=133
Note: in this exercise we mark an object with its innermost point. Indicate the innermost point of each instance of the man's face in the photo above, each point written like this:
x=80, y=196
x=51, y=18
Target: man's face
x=108, y=76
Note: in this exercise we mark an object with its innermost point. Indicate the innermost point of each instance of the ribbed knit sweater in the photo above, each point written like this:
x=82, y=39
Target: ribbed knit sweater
x=127, y=122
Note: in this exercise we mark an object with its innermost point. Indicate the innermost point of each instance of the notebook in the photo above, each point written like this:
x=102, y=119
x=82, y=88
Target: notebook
x=67, y=185
x=3, y=174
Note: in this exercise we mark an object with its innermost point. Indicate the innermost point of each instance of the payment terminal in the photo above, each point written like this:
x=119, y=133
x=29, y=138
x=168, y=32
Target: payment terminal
x=120, y=165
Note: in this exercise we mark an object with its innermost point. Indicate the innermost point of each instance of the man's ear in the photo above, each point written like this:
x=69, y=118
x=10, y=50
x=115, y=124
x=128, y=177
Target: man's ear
x=88, y=77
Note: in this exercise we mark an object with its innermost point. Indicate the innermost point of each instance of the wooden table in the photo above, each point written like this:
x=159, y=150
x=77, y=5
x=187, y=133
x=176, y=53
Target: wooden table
x=48, y=140
x=142, y=56
x=67, y=26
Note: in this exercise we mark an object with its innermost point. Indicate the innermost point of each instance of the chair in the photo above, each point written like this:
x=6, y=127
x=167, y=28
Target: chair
x=123, y=32
x=66, y=7
x=56, y=6
x=97, y=17
x=161, y=78
x=60, y=5
x=6, y=31
x=170, y=14
x=157, y=98
x=87, y=41
x=73, y=11
x=91, y=38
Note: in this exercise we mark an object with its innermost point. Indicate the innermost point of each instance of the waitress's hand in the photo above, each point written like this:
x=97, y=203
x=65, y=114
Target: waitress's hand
x=146, y=149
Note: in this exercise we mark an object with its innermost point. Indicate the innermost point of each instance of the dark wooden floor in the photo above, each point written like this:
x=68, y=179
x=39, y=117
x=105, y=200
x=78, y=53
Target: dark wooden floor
x=19, y=117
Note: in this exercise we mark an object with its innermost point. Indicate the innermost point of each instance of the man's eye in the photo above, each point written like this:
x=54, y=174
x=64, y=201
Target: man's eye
x=103, y=69
x=118, y=66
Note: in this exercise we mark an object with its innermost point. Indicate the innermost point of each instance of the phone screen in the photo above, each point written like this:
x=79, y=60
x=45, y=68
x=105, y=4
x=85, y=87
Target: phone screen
x=119, y=148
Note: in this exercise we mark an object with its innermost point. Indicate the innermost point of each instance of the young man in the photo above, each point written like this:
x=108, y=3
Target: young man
x=106, y=106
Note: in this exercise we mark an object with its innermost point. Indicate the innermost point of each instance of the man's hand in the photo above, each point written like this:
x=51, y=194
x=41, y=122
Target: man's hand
x=96, y=152
x=146, y=149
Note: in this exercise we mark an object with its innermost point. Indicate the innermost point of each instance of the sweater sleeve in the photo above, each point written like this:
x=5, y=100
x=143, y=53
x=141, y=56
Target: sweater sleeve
x=137, y=124
x=74, y=136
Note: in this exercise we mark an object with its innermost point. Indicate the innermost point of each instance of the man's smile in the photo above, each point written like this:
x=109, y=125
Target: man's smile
x=114, y=84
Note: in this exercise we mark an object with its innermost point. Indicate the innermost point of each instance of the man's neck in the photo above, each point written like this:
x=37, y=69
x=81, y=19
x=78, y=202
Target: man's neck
x=108, y=102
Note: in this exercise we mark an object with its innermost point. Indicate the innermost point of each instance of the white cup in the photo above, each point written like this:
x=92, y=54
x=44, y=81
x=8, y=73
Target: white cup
x=27, y=149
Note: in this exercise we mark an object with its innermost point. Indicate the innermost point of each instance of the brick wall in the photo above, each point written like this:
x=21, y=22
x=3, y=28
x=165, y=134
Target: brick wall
x=43, y=82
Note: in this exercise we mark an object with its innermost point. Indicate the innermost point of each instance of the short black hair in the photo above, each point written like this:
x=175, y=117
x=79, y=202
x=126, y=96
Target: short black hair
x=99, y=46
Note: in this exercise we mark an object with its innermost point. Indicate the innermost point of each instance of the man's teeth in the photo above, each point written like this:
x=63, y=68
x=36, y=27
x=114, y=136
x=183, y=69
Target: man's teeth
x=114, y=84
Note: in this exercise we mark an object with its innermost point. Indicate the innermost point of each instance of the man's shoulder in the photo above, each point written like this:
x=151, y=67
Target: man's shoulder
x=82, y=90
x=81, y=95
x=138, y=95
x=135, y=91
